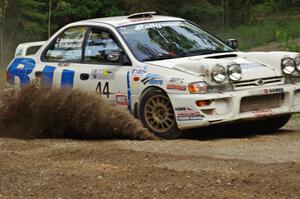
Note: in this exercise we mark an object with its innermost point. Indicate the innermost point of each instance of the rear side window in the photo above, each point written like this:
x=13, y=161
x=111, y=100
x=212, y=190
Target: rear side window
x=32, y=50
x=67, y=47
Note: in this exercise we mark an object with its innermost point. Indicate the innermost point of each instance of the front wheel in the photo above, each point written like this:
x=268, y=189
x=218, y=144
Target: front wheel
x=272, y=124
x=156, y=113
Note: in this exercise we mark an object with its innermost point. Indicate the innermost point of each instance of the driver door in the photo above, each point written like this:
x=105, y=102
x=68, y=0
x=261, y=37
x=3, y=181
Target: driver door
x=104, y=68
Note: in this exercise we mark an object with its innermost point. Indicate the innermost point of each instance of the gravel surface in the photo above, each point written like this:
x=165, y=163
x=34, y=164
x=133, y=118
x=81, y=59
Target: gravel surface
x=255, y=166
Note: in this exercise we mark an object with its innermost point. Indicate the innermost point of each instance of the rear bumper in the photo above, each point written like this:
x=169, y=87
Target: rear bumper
x=233, y=106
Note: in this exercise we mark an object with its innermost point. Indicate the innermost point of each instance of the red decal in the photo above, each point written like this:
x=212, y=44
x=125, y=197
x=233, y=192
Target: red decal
x=176, y=87
x=121, y=100
x=136, y=79
x=261, y=113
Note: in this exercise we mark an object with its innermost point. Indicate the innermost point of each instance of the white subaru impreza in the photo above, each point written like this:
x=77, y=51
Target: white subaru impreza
x=168, y=72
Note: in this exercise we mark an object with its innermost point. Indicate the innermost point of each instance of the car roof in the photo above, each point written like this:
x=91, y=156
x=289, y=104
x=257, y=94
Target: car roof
x=36, y=43
x=137, y=18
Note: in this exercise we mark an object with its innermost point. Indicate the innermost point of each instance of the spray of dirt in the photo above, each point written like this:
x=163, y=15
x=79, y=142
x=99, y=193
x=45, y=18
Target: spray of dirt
x=43, y=113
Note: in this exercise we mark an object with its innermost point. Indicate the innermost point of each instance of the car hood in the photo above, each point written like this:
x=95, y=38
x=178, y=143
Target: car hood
x=203, y=65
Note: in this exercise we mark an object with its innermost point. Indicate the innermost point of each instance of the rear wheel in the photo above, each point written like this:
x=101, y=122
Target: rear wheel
x=157, y=114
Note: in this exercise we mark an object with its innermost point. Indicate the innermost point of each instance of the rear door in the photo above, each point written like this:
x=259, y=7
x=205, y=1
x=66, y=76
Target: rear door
x=60, y=58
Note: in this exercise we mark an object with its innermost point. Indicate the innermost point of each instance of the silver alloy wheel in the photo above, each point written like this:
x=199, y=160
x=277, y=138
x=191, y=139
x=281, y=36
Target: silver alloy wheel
x=159, y=114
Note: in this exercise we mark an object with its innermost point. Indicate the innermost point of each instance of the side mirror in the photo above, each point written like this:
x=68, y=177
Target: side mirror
x=113, y=57
x=233, y=43
x=117, y=57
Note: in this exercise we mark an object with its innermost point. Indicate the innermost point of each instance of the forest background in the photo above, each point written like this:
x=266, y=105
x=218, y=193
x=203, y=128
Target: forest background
x=253, y=22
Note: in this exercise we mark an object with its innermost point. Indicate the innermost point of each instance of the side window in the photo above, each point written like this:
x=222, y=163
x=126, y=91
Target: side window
x=67, y=47
x=32, y=50
x=101, y=47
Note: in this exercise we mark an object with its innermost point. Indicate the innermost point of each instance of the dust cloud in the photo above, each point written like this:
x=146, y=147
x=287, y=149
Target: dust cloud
x=42, y=113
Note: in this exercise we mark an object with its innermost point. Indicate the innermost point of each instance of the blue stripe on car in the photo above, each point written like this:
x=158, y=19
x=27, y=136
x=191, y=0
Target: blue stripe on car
x=47, y=76
x=128, y=91
x=21, y=67
x=67, y=79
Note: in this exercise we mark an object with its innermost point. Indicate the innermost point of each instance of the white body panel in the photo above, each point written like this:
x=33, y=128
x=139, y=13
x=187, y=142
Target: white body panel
x=173, y=76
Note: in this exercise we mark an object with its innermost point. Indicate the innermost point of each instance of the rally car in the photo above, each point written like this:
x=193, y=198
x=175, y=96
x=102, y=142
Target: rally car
x=167, y=71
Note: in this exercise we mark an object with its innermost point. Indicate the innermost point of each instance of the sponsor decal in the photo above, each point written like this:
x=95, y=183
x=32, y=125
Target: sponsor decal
x=148, y=26
x=274, y=90
x=184, y=109
x=63, y=65
x=121, y=100
x=21, y=68
x=156, y=82
x=267, y=91
x=187, y=113
x=176, y=87
x=176, y=80
x=138, y=72
x=102, y=74
x=152, y=79
x=261, y=113
x=69, y=43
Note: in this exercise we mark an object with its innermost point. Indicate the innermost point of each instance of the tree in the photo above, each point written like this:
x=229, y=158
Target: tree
x=4, y=5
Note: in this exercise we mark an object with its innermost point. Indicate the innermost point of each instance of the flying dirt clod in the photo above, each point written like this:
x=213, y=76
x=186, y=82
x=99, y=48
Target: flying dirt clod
x=42, y=113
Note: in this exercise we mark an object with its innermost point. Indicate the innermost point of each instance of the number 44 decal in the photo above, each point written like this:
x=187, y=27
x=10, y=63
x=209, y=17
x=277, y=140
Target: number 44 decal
x=105, y=90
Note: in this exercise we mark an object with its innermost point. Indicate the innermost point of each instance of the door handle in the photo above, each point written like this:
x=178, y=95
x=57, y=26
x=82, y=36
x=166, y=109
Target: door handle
x=84, y=76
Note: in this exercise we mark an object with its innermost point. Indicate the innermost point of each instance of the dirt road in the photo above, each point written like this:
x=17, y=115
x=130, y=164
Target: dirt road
x=255, y=166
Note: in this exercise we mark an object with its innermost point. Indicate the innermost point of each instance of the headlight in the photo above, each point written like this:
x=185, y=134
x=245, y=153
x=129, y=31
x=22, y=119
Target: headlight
x=198, y=87
x=235, y=72
x=297, y=62
x=288, y=66
x=219, y=74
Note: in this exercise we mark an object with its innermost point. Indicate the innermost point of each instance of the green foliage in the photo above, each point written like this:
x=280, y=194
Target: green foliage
x=253, y=22
x=286, y=42
x=258, y=34
x=202, y=12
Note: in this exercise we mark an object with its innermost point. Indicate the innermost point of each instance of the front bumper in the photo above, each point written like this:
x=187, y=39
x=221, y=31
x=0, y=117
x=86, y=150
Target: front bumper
x=232, y=106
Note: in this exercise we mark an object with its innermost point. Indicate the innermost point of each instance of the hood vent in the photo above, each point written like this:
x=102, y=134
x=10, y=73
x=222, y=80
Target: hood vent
x=221, y=56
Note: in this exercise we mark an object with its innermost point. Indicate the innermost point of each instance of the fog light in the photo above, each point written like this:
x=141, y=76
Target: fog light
x=219, y=74
x=297, y=62
x=202, y=103
x=288, y=66
x=235, y=72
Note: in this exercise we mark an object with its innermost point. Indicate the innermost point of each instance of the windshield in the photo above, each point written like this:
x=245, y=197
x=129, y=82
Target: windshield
x=165, y=40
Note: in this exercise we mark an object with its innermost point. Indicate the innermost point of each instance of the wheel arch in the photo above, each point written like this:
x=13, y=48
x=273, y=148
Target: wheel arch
x=146, y=90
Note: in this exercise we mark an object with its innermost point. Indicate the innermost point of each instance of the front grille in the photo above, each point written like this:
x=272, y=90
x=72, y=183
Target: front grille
x=262, y=102
x=258, y=82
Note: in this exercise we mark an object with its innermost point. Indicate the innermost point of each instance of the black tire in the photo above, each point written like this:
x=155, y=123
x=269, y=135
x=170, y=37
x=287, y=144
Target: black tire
x=269, y=125
x=157, y=114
